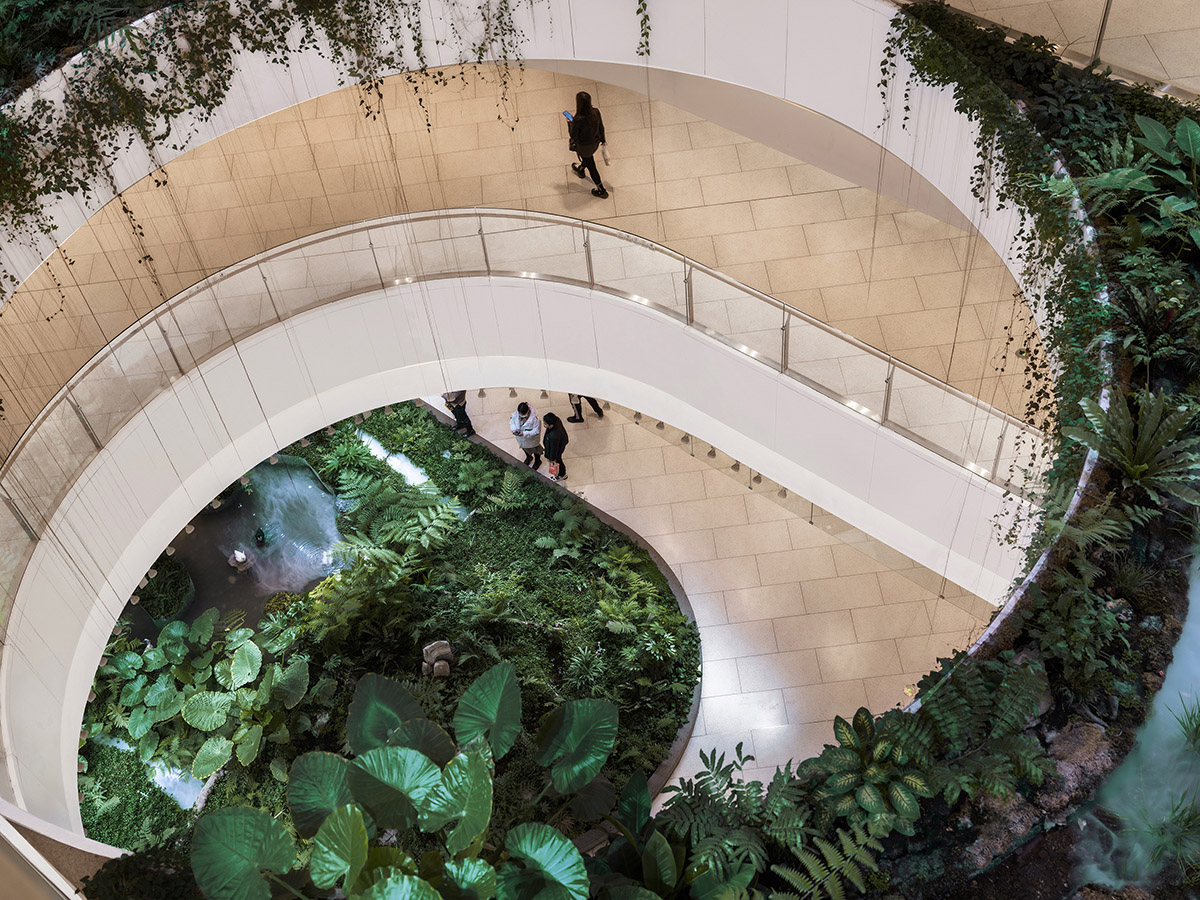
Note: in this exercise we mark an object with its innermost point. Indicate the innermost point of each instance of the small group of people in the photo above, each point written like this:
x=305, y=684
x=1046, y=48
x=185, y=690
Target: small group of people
x=548, y=434
x=535, y=436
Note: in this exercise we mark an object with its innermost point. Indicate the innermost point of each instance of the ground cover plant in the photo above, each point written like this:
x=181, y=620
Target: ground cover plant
x=169, y=592
x=530, y=577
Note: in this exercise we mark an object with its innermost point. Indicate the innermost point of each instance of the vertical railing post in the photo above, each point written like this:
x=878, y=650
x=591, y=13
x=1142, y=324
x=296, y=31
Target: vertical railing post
x=687, y=293
x=21, y=520
x=999, y=451
x=487, y=263
x=87, y=426
x=784, y=342
x=587, y=255
x=887, y=393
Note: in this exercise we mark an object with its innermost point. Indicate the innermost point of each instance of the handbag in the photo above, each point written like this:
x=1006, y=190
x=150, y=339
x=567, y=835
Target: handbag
x=604, y=153
x=555, y=468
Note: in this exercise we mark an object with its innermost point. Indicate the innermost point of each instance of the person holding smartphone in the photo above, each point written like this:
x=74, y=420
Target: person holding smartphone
x=586, y=129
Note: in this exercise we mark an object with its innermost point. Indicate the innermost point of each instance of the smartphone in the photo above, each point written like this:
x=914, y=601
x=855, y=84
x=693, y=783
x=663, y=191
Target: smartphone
x=570, y=118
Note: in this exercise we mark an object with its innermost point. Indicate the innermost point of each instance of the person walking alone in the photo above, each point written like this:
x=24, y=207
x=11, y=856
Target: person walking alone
x=555, y=440
x=456, y=402
x=577, y=405
x=527, y=429
x=587, y=134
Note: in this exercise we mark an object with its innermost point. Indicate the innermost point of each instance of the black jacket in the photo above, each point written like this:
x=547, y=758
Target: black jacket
x=587, y=134
x=555, y=441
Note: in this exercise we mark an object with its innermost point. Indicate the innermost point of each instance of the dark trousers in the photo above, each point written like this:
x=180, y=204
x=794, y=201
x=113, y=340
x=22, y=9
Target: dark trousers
x=589, y=163
x=533, y=456
x=461, y=419
x=578, y=407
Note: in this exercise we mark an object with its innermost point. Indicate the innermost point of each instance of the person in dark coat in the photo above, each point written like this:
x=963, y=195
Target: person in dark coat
x=555, y=440
x=456, y=402
x=587, y=134
x=577, y=405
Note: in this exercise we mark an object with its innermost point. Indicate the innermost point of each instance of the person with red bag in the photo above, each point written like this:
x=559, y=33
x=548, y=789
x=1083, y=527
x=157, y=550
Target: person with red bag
x=555, y=440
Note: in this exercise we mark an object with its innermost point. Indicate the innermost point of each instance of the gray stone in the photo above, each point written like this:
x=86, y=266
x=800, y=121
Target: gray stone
x=437, y=650
x=426, y=669
x=441, y=669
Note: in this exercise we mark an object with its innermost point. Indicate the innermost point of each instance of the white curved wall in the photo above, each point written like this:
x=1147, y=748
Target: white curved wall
x=410, y=340
x=817, y=55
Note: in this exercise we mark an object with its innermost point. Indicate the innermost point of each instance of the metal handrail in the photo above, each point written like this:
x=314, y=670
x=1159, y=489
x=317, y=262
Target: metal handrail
x=689, y=266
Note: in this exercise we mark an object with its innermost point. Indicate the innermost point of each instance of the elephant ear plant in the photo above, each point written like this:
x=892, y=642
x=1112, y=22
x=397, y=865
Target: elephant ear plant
x=409, y=774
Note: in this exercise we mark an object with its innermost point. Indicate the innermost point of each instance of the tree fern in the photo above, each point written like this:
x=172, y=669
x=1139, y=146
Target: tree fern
x=824, y=877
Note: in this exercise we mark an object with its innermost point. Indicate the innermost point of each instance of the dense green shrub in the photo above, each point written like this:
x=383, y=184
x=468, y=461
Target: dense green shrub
x=167, y=594
x=121, y=805
x=159, y=873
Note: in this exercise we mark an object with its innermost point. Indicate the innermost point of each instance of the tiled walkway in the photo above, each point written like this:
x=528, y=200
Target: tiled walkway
x=800, y=621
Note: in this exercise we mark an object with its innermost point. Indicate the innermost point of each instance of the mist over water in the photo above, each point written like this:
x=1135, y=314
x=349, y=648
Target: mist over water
x=1162, y=769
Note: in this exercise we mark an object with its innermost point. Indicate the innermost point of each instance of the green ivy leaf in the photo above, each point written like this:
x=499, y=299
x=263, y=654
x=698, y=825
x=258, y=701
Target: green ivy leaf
x=491, y=706
x=340, y=849
x=231, y=848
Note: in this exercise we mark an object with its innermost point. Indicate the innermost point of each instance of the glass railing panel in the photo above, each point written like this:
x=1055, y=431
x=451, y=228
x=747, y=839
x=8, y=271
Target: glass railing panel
x=445, y=246
x=632, y=267
x=849, y=372
x=47, y=462
x=747, y=321
x=15, y=550
x=301, y=278
x=961, y=426
x=537, y=249
x=122, y=381
x=395, y=252
x=1022, y=460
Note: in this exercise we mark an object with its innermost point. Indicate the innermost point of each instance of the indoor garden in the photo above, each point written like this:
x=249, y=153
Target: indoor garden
x=317, y=757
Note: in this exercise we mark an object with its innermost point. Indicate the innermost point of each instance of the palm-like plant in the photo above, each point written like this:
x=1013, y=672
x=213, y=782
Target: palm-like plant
x=1153, y=451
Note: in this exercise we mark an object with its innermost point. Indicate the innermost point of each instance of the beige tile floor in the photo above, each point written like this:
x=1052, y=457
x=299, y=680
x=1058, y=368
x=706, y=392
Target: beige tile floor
x=1156, y=38
x=908, y=284
x=801, y=616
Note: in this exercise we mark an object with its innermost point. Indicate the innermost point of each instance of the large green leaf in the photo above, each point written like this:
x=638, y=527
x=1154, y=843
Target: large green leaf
x=247, y=747
x=491, y=706
x=237, y=637
x=553, y=868
x=382, y=862
x=154, y=659
x=147, y=746
x=708, y=887
x=473, y=879
x=425, y=736
x=870, y=799
x=316, y=787
x=230, y=849
x=593, y=800
x=658, y=865
x=379, y=706
x=903, y=801
x=202, y=629
x=465, y=794
x=223, y=672
x=401, y=887
x=127, y=663
x=633, y=810
x=213, y=754
x=577, y=739
x=340, y=849
x=247, y=660
x=207, y=710
x=392, y=783
x=141, y=720
x=293, y=683
x=1157, y=138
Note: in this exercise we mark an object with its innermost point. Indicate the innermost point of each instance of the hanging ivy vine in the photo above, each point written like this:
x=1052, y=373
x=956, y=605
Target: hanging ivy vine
x=155, y=81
